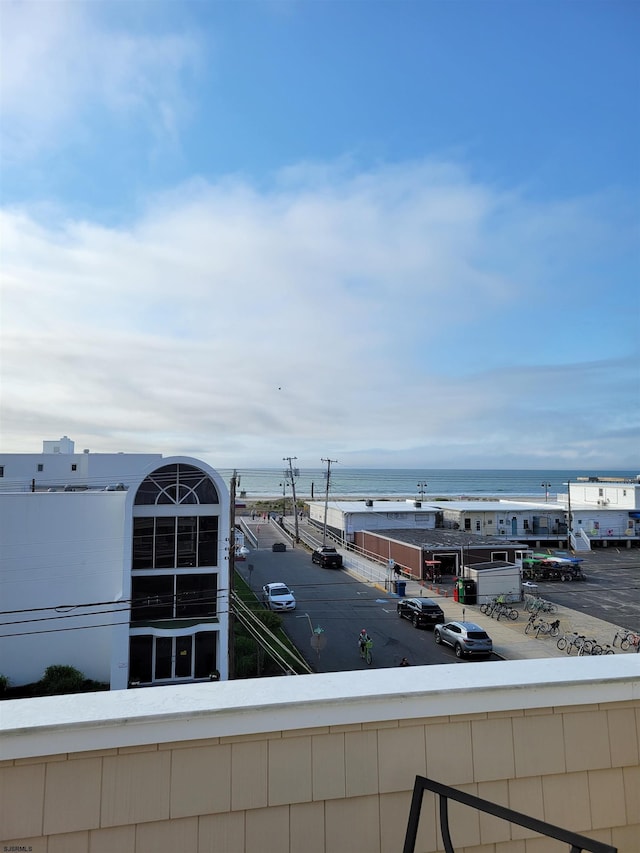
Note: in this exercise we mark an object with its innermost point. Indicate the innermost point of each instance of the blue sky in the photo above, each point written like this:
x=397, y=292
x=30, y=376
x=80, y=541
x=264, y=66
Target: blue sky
x=394, y=233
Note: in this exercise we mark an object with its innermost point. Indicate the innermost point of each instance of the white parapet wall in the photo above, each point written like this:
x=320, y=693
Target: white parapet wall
x=264, y=765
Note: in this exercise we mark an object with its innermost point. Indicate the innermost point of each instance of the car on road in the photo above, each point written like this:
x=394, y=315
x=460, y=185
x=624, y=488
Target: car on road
x=466, y=638
x=327, y=557
x=421, y=612
x=278, y=596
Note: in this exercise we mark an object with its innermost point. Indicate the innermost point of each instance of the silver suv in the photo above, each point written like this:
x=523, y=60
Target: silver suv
x=466, y=638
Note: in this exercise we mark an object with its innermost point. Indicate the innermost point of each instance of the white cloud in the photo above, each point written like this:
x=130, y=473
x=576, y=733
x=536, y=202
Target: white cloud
x=61, y=68
x=383, y=310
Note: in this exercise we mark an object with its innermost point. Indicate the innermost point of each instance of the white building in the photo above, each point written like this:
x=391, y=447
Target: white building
x=602, y=511
x=345, y=518
x=123, y=574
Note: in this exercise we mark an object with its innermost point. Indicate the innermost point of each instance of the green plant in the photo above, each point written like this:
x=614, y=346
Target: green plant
x=4, y=684
x=61, y=679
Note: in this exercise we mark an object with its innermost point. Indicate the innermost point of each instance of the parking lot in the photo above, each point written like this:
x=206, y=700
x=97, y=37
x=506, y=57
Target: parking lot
x=611, y=591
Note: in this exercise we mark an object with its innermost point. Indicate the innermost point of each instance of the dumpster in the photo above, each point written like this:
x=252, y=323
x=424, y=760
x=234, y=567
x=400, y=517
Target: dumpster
x=400, y=588
x=458, y=591
x=468, y=594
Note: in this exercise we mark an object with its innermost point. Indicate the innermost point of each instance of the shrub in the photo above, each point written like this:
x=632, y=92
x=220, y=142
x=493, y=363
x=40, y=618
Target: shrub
x=61, y=679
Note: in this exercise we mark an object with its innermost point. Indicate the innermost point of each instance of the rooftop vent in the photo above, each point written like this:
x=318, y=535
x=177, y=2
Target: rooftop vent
x=417, y=504
x=368, y=503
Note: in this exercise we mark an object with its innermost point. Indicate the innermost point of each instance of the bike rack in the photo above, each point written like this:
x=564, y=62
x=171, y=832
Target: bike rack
x=576, y=842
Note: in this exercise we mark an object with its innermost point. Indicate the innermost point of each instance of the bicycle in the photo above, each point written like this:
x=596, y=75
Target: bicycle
x=365, y=651
x=627, y=639
x=564, y=640
x=583, y=645
x=602, y=650
x=504, y=609
x=574, y=641
x=535, y=604
x=498, y=607
x=542, y=627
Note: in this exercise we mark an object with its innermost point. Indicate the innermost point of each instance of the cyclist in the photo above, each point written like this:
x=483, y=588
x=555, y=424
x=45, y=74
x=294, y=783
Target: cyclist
x=363, y=639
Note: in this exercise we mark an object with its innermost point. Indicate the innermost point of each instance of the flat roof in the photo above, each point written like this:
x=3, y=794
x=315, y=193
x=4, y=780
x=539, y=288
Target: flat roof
x=440, y=538
x=496, y=505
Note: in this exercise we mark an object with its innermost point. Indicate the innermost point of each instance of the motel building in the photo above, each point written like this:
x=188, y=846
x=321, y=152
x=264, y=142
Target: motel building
x=115, y=564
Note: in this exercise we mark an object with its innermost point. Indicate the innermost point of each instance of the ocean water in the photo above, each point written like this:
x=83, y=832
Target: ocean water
x=412, y=483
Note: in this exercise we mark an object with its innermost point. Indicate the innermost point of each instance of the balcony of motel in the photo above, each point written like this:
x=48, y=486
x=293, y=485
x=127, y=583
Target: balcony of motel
x=327, y=763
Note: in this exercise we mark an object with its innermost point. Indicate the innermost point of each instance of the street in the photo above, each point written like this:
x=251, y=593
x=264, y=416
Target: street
x=332, y=608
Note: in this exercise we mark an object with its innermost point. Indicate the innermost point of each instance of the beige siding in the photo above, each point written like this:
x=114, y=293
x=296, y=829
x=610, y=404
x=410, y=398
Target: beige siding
x=331, y=791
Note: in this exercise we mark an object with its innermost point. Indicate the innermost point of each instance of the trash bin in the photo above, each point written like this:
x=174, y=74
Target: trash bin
x=459, y=588
x=401, y=588
x=469, y=591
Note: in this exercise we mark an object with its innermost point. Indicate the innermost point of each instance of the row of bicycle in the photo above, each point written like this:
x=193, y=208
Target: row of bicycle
x=583, y=645
x=539, y=627
x=501, y=606
x=570, y=641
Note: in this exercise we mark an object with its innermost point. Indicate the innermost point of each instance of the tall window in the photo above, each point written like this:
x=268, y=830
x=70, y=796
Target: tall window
x=160, y=597
x=167, y=543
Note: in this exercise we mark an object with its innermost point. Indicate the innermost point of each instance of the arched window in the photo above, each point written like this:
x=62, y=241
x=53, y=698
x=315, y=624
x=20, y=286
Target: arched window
x=177, y=484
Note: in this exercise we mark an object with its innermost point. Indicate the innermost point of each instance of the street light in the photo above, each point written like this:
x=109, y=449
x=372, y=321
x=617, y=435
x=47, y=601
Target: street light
x=423, y=489
x=546, y=487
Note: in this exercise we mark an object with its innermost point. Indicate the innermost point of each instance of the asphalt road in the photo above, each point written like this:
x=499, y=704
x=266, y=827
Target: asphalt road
x=339, y=605
x=611, y=591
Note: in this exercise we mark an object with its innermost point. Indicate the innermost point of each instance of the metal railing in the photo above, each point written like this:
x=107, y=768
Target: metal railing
x=575, y=842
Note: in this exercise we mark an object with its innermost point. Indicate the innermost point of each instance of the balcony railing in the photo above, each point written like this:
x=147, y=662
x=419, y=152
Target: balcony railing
x=575, y=842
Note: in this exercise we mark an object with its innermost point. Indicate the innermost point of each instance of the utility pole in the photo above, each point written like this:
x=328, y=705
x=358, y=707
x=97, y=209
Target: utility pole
x=569, y=518
x=232, y=568
x=292, y=477
x=326, y=499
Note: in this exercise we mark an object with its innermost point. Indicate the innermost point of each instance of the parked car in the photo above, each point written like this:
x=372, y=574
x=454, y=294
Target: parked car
x=278, y=596
x=466, y=638
x=327, y=557
x=423, y=612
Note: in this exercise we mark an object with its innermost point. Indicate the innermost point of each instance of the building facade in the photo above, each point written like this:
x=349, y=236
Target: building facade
x=128, y=583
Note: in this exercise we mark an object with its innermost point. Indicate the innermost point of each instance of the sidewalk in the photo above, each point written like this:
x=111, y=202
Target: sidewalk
x=509, y=638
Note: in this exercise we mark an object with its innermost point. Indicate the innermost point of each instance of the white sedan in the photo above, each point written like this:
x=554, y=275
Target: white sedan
x=278, y=596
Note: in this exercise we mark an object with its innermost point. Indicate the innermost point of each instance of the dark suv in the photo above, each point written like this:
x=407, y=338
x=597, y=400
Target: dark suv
x=327, y=557
x=423, y=612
